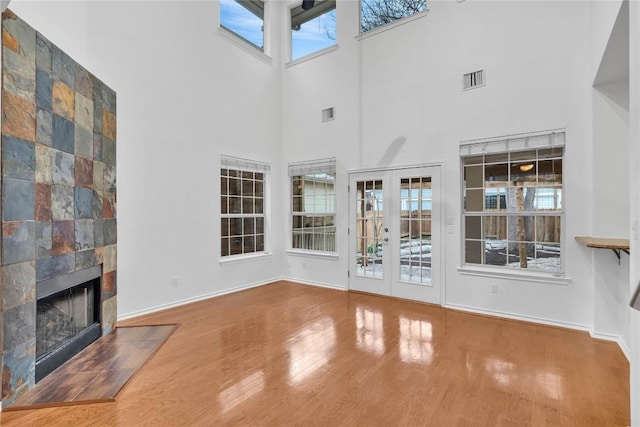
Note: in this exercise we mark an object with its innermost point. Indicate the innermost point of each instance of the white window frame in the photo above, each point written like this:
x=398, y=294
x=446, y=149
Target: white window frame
x=511, y=144
x=390, y=25
x=262, y=52
x=298, y=169
x=315, y=53
x=246, y=165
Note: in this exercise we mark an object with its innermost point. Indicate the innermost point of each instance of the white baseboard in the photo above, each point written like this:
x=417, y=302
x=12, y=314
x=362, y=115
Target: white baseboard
x=318, y=284
x=193, y=299
x=513, y=316
x=575, y=326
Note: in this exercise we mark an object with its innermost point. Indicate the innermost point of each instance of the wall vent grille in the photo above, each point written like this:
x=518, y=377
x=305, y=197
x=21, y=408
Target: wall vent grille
x=473, y=80
x=328, y=114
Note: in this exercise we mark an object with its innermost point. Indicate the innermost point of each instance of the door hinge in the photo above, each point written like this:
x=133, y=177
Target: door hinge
x=348, y=273
x=349, y=188
x=348, y=231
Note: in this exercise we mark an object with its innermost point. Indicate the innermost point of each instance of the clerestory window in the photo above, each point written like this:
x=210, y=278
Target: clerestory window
x=376, y=13
x=313, y=27
x=513, y=205
x=244, y=19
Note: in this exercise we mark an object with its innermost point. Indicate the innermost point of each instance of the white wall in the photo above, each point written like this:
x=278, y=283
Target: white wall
x=410, y=91
x=186, y=95
x=331, y=80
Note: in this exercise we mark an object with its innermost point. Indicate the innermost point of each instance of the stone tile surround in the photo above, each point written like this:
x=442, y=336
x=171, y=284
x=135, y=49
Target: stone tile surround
x=58, y=187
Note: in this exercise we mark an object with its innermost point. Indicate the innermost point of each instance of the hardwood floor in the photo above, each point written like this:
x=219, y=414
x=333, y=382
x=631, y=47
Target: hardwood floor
x=289, y=354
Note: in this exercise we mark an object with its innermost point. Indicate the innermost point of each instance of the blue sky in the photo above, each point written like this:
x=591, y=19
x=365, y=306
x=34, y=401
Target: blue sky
x=311, y=37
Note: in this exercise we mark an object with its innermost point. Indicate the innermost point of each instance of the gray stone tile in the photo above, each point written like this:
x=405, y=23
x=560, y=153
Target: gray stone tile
x=84, y=112
x=84, y=234
x=44, y=128
x=98, y=176
x=62, y=168
x=18, y=367
x=109, y=315
x=24, y=34
x=18, y=200
x=97, y=116
x=64, y=68
x=43, y=239
x=19, y=75
x=109, y=152
x=18, y=242
x=96, y=205
x=97, y=147
x=43, y=90
x=63, y=134
x=62, y=202
x=84, y=203
x=44, y=159
x=98, y=233
x=43, y=54
x=83, y=142
x=110, y=255
x=46, y=268
x=19, y=325
x=110, y=232
x=18, y=158
x=110, y=179
x=86, y=259
x=18, y=284
x=84, y=83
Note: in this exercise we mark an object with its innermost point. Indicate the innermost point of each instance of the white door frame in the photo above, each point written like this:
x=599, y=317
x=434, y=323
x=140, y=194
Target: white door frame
x=442, y=212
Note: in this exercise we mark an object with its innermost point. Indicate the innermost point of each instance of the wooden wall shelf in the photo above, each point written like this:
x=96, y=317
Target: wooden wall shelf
x=616, y=245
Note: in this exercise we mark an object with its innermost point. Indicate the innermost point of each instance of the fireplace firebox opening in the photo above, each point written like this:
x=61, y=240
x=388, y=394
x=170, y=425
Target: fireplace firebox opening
x=67, y=318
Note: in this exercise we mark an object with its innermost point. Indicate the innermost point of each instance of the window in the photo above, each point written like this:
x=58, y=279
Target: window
x=314, y=29
x=242, y=206
x=313, y=205
x=513, y=202
x=376, y=13
x=245, y=19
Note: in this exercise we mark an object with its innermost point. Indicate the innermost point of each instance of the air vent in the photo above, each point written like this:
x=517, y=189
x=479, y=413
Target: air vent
x=473, y=80
x=328, y=114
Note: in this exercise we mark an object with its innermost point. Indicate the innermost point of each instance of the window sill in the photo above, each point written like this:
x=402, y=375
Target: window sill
x=539, y=277
x=313, y=254
x=247, y=46
x=235, y=259
x=311, y=56
x=395, y=24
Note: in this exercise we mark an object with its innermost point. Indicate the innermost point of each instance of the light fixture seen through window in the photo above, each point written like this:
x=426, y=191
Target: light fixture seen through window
x=526, y=167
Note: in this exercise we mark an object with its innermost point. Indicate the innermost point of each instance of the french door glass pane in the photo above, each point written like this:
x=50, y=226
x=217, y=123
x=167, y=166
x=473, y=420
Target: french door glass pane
x=369, y=222
x=415, y=229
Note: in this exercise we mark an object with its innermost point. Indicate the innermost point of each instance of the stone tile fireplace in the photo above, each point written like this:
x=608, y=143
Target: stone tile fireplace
x=58, y=214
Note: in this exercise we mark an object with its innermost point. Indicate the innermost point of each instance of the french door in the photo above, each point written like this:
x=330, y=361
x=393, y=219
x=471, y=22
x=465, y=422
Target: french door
x=394, y=233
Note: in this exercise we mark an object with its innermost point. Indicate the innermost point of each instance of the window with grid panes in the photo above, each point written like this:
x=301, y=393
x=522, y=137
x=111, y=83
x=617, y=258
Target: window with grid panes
x=513, y=202
x=313, y=205
x=242, y=201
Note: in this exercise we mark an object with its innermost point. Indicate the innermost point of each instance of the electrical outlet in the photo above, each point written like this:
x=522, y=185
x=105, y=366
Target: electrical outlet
x=494, y=289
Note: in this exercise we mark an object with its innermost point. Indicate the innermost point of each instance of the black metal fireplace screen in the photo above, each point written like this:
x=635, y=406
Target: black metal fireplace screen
x=67, y=318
